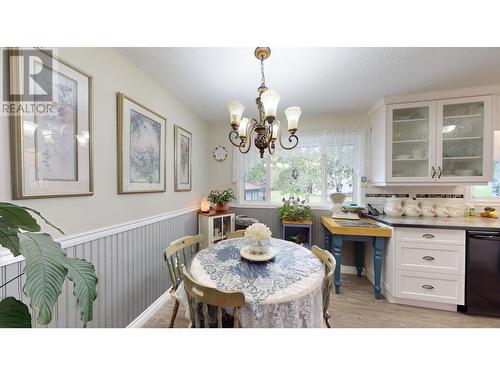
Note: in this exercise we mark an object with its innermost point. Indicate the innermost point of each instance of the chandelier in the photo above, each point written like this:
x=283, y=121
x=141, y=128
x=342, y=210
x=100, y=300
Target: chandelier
x=266, y=128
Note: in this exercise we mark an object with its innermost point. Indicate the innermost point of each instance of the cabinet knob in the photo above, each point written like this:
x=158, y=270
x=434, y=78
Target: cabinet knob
x=440, y=172
x=427, y=286
x=428, y=257
x=433, y=172
x=428, y=235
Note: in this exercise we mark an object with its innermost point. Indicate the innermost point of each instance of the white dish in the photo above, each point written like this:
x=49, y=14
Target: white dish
x=252, y=253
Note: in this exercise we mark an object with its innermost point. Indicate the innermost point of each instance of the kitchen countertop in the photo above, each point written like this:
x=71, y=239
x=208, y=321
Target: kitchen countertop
x=465, y=223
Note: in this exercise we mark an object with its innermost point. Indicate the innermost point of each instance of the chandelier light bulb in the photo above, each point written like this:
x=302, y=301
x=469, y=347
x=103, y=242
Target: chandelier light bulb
x=243, y=127
x=275, y=132
x=293, y=115
x=270, y=100
x=235, y=111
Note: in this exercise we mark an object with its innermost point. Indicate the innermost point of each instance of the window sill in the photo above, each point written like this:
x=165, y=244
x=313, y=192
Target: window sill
x=277, y=205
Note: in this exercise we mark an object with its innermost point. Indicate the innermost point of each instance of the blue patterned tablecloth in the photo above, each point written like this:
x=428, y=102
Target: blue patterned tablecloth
x=283, y=292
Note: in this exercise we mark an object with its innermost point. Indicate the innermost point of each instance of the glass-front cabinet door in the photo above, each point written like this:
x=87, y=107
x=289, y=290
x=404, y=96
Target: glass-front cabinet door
x=464, y=139
x=411, y=142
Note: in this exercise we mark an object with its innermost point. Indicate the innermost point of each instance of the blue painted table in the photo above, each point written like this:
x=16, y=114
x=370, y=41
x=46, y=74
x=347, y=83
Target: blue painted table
x=360, y=231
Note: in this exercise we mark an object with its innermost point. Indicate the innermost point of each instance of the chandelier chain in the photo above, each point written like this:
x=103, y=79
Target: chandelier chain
x=263, y=77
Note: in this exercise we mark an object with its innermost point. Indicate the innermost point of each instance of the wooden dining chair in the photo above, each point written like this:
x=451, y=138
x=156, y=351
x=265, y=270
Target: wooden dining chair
x=329, y=262
x=202, y=298
x=178, y=253
x=236, y=234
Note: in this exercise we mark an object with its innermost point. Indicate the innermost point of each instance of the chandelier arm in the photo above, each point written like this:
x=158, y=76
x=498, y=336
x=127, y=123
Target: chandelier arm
x=293, y=139
x=235, y=135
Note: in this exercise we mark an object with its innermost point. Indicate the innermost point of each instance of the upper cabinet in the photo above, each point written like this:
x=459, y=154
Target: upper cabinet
x=432, y=142
x=464, y=140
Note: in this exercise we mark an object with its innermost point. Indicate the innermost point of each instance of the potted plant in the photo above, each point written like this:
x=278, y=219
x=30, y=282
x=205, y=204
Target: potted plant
x=46, y=269
x=294, y=209
x=221, y=199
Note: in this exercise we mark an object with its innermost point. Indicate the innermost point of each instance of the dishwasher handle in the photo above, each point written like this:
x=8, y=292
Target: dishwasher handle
x=492, y=236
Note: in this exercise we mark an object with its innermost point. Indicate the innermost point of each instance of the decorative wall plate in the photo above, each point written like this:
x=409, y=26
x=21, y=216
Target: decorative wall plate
x=220, y=153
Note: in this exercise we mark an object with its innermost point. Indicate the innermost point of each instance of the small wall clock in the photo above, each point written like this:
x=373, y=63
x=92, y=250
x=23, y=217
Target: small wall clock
x=220, y=153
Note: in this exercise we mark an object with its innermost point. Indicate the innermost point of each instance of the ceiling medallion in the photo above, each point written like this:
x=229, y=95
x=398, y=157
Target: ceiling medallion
x=267, y=127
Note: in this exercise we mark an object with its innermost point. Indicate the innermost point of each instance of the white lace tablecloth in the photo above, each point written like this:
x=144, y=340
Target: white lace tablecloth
x=285, y=292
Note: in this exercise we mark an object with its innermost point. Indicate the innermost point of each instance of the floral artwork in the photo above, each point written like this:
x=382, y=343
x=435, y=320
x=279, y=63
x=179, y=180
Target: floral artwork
x=141, y=148
x=183, y=149
x=55, y=134
x=184, y=172
x=51, y=130
x=145, y=147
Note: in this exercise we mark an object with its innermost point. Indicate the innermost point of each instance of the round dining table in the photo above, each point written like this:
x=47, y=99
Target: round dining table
x=285, y=292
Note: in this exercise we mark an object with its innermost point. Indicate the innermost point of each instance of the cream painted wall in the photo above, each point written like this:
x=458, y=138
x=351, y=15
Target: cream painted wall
x=220, y=176
x=112, y=72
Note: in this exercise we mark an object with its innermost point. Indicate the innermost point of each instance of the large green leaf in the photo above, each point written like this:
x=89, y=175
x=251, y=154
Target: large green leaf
x=82, y=273
x=9, y=239
x=43, y=218
x=10, y=206
x=18, y=217
x=45, y=272
x=14, y=314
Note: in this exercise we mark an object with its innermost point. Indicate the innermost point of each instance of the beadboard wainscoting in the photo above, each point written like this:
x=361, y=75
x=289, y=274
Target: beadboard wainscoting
x=129, y=264
x=270, y=217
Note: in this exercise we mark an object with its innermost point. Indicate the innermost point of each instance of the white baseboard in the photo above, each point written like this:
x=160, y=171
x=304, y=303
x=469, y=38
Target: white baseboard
x=150, y=311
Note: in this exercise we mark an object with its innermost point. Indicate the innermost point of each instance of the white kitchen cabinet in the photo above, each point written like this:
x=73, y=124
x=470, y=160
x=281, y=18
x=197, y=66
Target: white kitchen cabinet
x=464, y=140
x=215, y=227
x=433, y=142
x=425, y=267
x=411, y=142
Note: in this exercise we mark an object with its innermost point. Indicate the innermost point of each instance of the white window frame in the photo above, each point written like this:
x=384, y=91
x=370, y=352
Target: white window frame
x=494, y=201
x=240, y=188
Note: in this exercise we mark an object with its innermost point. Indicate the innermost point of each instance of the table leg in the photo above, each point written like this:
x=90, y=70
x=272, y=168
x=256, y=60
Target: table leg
x=327, y=240
x=337, y=253
x=378, y=247
x=359, y=257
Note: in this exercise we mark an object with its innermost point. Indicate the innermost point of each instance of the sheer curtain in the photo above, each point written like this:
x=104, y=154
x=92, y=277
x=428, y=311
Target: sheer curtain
x=336, y=147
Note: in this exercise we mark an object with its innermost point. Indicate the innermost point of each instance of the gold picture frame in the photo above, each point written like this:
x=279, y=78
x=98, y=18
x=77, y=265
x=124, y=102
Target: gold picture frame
x=133, y=178
x=183, y=159
x=26, y=180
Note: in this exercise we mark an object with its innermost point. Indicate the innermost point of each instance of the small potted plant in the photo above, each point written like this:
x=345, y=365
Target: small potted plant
x=221, y=199
x=294, y=209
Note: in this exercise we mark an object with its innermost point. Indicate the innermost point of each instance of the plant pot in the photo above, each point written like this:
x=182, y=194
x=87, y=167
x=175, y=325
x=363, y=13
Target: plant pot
x=222, y=207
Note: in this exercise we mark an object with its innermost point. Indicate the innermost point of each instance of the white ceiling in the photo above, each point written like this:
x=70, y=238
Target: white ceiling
x=319, y=80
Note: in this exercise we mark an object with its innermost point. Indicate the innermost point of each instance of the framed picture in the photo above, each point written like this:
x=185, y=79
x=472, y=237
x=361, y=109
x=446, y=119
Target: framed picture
x=51, y=126
x=141, y=148
x=183, y=155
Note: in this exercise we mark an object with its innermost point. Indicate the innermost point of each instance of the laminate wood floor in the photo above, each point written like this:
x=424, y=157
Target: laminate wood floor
x=356, y=307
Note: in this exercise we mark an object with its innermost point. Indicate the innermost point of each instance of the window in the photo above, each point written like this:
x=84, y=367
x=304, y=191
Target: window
x=320, y=165
x=490, y=192
x=255, y=178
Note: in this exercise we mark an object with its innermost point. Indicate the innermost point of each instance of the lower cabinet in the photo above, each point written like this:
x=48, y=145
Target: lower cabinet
x=425, y=265
x=433, y=287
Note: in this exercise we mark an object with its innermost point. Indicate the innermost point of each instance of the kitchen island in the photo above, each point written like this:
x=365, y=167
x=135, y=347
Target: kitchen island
x=361, y=231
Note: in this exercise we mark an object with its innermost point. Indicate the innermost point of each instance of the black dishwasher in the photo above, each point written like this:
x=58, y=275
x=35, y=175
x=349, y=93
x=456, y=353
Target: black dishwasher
x=482, y=285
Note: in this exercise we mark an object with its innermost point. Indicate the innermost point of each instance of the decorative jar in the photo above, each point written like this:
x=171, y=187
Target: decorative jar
x=428, y=209
x=412, y=208
x=393, y=207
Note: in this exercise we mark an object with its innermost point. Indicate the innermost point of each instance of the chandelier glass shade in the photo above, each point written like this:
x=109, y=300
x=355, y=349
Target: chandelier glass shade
x=267, y=127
